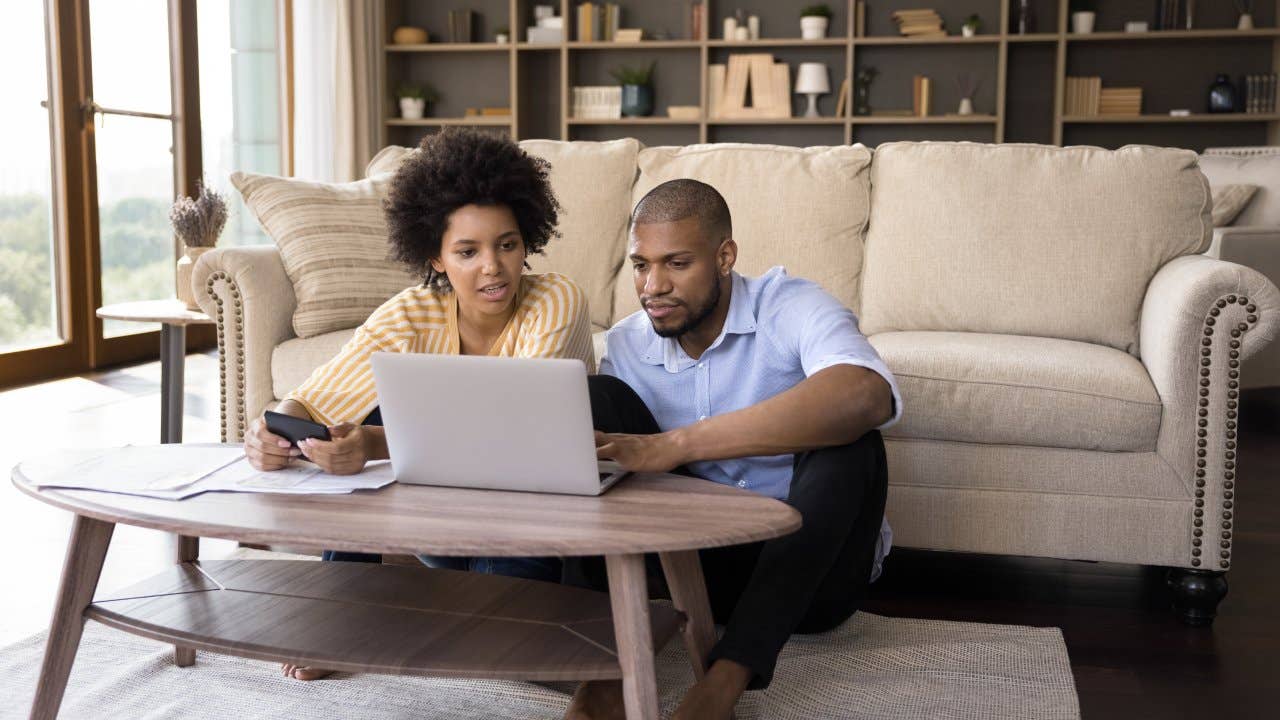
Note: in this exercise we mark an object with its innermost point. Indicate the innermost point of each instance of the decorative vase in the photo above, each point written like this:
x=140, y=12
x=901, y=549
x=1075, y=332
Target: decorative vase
x=966, y=106
x=637, y=100
x=1026, y=18
x=813, y=27
x=1222, y=95
x=500, y=38
x=968, y=30
x=1082, y=22
x=412, y=108
x=183, y=279
x=861, y=99
x=1245, y=22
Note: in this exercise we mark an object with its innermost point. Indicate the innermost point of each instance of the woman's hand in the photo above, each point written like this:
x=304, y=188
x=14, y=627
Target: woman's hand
x=344, y=454
x=266, y=450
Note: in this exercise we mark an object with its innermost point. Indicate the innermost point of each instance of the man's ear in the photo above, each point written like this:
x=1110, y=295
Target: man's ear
x=726, y=256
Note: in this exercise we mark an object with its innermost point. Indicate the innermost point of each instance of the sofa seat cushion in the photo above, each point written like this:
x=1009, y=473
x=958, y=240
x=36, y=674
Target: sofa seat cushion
x=1018, y=390
x=292, y=361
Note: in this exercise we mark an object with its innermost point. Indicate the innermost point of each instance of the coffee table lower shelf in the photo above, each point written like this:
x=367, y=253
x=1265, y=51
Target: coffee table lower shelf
x=358, y=617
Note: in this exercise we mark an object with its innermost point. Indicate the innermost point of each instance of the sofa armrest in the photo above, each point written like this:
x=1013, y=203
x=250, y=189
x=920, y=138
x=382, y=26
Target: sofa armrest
x=1201, y=319
x=246, y=291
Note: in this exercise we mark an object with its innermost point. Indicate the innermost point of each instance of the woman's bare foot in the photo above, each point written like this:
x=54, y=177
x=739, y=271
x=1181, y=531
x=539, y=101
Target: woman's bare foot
x=303, y=672
x=597, y=700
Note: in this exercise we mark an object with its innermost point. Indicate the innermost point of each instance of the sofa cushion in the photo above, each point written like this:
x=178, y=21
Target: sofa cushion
x=333, y=243
x=1017, y=390
x=1026, y=239
x=592, y=181
x=1228, y=201
x=802, y=208
x=1260, y=170
x=292, y=361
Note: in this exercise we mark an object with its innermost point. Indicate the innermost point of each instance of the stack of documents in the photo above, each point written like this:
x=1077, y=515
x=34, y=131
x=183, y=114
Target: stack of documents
x=174, y=472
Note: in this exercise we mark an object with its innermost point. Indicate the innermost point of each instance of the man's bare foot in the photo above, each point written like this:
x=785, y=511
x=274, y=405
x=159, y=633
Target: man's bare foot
x=597, y=700
x=713, y=697
x=302, y=672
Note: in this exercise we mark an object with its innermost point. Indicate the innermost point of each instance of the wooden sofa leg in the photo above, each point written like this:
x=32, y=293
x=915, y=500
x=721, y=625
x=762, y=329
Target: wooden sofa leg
x=1196, y=594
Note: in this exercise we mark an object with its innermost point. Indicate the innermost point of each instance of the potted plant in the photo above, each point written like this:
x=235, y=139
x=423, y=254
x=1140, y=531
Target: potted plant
x=971, y=26
x=414, y=100
x=1082, y=16
x=197, y=223
x=637, y=89
x=502, y=34
x=814, y=20
x=966, y=86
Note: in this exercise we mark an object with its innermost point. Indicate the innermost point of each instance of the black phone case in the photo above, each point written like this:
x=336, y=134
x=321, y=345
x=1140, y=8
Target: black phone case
x=294, y=429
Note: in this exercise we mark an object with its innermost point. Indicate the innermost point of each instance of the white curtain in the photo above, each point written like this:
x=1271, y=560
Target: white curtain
x=335, y=118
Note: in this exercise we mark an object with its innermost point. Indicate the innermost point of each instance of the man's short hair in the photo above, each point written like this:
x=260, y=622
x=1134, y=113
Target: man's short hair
x=676, y=200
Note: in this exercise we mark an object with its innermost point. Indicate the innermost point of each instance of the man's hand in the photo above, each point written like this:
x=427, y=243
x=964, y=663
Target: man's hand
x=641, y=453
x=266, y=450
x=345, y=454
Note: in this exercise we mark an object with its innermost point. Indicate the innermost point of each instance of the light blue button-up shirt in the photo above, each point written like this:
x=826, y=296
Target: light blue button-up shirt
x=779, y=331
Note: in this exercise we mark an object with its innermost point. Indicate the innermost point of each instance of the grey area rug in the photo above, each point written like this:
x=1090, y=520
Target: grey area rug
x=870, y=667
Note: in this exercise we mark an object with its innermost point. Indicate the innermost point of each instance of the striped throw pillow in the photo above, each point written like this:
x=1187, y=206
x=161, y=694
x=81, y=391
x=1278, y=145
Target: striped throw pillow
x=1229, y=201
x=333, y=241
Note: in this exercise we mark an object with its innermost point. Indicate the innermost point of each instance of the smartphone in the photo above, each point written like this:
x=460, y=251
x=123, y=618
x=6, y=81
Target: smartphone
x=294, y=429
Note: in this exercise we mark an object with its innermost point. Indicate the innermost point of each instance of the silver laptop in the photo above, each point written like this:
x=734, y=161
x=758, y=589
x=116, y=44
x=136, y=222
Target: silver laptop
x=487, y=422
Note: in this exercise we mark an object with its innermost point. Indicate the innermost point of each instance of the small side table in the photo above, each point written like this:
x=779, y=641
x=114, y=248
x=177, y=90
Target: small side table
x=174, y=317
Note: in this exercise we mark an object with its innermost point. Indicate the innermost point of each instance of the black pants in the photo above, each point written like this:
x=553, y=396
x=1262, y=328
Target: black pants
x=809, y=581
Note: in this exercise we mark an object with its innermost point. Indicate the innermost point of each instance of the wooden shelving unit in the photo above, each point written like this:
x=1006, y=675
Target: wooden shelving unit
x=1019, y=98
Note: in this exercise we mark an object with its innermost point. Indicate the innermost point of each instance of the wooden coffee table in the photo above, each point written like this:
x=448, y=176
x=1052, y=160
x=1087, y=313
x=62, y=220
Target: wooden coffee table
x=412, y=621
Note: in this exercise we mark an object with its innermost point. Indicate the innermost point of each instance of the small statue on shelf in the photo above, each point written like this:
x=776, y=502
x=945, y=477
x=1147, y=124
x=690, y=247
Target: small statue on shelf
x=862, y=90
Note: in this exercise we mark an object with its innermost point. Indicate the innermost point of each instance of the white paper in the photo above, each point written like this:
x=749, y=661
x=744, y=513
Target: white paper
x=174, y=472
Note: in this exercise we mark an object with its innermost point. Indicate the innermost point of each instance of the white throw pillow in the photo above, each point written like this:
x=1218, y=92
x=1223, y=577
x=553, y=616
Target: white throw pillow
x=1228, y=201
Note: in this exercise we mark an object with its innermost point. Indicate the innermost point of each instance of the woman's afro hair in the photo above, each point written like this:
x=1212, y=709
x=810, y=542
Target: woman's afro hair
x=457, y=167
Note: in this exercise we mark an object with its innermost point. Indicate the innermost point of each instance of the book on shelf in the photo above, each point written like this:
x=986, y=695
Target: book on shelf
x=597, y=22
x=1081, y=96
x=460, y=24
x=860, y=18
x=697, y=19
x=842, y=100
x=1120, y=101
x=920, y=92
x=628, y=35
x=918, y=23
x=597, y=102
x=1260, y=93
x=488, y=112
x=768, y=84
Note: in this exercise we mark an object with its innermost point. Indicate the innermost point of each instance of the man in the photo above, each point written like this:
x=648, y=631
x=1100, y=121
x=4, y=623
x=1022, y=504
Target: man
x=765, y=384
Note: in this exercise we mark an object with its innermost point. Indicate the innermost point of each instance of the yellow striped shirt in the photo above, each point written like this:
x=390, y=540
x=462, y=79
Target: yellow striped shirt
x=550, y=321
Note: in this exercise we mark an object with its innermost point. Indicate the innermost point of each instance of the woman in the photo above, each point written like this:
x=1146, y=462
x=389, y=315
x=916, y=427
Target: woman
x=464, y=212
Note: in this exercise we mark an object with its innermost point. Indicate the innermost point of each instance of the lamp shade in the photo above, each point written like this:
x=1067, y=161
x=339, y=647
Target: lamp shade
x=812, y=78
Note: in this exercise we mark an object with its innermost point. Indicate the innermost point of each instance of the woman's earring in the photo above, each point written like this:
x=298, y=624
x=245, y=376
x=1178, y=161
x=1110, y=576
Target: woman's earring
x=527, y=266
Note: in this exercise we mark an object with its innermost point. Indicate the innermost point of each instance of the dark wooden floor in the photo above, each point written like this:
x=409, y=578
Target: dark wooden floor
x=1130, y=656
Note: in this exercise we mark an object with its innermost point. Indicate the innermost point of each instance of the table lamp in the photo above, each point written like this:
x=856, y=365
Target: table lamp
x=811, y=80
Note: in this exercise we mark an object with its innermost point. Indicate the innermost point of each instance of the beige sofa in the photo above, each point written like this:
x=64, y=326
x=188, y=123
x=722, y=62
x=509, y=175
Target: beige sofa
x=1069, y=359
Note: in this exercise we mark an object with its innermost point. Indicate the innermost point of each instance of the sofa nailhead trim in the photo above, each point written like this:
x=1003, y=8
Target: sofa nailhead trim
x=238, y=329
x=1229, y=435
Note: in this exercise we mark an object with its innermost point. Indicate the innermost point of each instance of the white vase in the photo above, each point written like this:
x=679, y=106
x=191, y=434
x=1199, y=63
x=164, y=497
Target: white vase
x=1246, y=22
x=412, y=108
x=500, y=38
x=182, y=280
x=966, y=106
x=1082, y=22
x=968, y=30
x=813, y=27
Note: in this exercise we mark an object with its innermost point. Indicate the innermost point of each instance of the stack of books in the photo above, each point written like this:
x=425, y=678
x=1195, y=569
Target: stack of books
x=597, y=102
x=919, y=23
x=487, y=112
x=598, y=21
x=920, y=91
x=460, y=23
x=768, y=84
x=1260, y=93
x=1120, y=101
x=1082, y=96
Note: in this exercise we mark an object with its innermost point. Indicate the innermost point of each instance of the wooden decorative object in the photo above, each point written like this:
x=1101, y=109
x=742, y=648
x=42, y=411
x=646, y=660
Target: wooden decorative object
x=408, y=35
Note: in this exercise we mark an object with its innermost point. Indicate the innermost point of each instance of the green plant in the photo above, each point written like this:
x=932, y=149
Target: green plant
x=820, y=10
x=633, y=76
x=973, y=21
x=502, y=30
x=425, y=93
